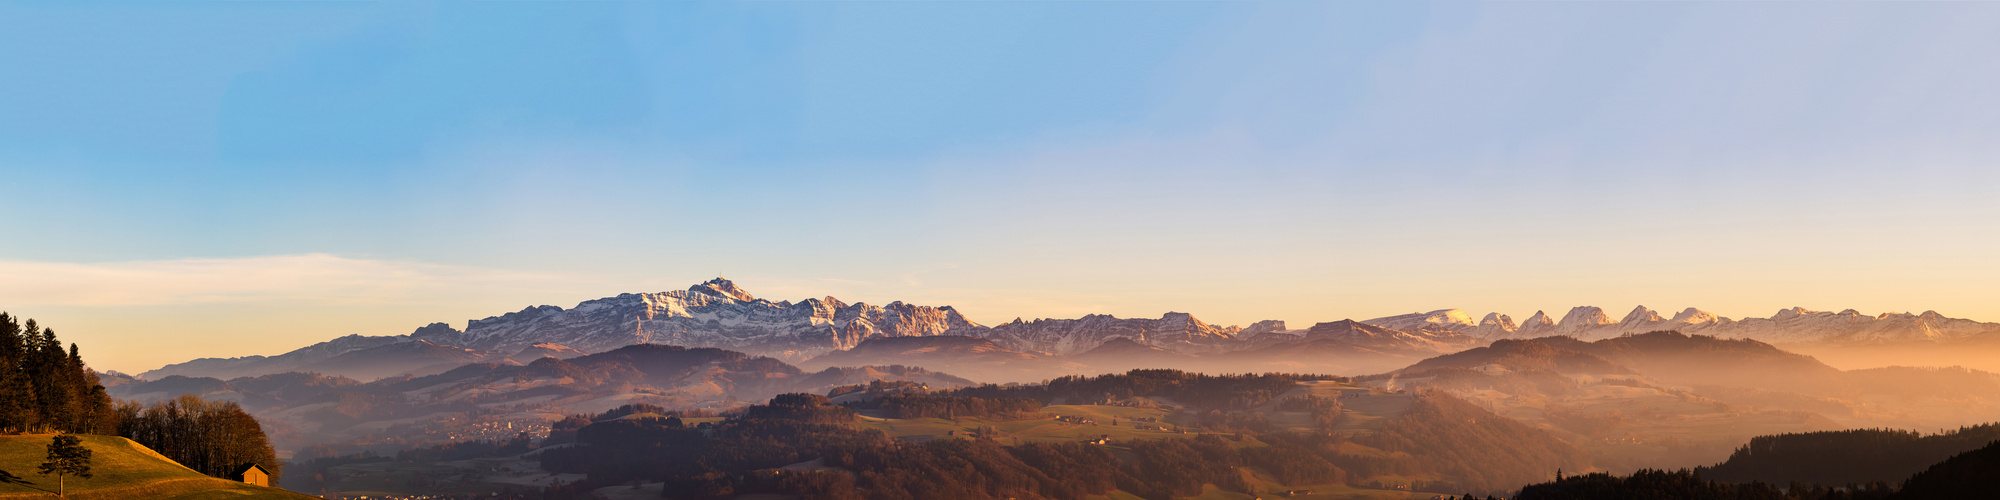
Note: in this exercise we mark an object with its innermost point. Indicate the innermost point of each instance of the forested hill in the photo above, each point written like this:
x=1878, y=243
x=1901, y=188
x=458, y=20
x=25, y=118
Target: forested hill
x=1846, y=457
x=1970, y=475
x=44, y=387
x=1866, y=464
x=807, y=446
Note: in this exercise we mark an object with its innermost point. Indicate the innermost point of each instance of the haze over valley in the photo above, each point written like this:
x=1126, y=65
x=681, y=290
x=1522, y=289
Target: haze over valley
x=1644, y=392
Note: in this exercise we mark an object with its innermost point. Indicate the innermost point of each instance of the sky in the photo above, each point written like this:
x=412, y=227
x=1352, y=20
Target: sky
x=191, y=179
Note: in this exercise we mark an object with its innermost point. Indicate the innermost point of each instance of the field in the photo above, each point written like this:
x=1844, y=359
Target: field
x=119, y=468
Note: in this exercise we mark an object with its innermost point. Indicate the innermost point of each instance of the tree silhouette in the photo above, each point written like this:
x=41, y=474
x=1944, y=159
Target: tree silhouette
x=67, y=456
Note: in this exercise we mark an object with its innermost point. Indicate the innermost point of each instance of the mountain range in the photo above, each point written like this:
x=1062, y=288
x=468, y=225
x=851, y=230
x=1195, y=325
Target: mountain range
x=720, y=314
x=1796, y=325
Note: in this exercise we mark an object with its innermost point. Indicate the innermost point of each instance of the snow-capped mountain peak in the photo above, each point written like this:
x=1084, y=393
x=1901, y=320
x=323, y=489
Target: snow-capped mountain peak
x=1692, y=316
x=1450, y=319
x=1540, y=321
x=1641, y=316
x=724, y=288
x=1583, y=318
x=715, y=313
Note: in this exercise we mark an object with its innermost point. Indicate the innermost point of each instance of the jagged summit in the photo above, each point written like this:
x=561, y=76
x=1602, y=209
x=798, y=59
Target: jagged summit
x=1641, y=316
x=1583, y=318
x=716, y=313
x=1494, y=326
x=1692, y=316
x=725, y=288
x=1537, y=323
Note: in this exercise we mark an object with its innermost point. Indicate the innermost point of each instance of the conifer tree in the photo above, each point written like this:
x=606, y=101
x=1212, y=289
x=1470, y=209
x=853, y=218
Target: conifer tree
x=52, y=383
x=43, y=387
x=15, y=391
x=67, y=457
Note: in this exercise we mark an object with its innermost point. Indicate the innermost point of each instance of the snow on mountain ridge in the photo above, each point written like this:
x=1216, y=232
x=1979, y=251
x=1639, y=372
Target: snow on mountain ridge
x=1583, y=318
x=1173, y=330
x=1442, y=318
x=715, y=313
x=1796, y=325
x=1641, y=315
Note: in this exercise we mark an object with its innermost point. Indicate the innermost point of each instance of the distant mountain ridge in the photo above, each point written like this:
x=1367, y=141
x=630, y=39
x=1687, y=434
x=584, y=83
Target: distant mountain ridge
x=719, y=314
x=1788, y=326
x=715, y=314
x=332, y=408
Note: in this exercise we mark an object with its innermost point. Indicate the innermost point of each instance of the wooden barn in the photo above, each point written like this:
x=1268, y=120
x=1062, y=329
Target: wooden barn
x=252, y=474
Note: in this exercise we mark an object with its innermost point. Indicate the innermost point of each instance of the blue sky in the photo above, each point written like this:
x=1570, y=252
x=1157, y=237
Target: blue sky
x=261, y=175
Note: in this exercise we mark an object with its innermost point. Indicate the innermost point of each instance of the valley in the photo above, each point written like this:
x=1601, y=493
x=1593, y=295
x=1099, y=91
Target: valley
x=1598, y=396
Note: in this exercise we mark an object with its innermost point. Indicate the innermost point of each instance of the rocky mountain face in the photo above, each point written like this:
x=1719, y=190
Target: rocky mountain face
x=714, y=314
x=1789, y=326
x=719, y=314
x=1174, y=331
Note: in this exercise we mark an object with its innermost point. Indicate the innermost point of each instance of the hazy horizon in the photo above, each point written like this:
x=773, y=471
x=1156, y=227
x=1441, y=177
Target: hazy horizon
x=337, y=311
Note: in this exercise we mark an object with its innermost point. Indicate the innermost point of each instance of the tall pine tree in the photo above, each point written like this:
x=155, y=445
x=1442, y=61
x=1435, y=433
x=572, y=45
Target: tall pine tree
x=52, y=376
x=16, y=392
x=43, y=387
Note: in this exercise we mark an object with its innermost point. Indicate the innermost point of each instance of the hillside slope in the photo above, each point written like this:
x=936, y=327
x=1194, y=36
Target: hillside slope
x=119, y=468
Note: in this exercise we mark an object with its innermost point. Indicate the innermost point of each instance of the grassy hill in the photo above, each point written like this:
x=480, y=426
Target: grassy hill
x=120, y=468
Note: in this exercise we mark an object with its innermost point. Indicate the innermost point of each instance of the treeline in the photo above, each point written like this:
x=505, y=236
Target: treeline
x=1195, y=390
x=1690, y=485
x=918, y=405
x=1844, y=457
x=211, y=437
x=45, y=388
x=1969, y=475
x=809, y=408
x=42, y=387
x=1327, y=413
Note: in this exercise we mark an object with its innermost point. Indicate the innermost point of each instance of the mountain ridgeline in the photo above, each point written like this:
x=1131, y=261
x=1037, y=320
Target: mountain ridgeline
x=312, y=408
x=720, y=314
